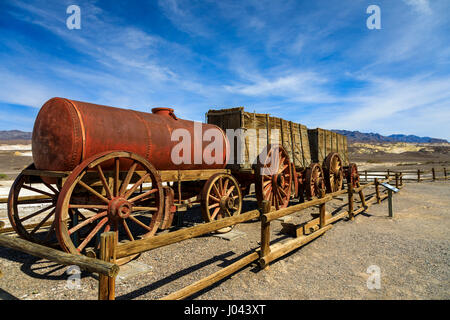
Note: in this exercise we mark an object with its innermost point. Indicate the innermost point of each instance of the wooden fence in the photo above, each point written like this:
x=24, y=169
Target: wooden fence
x=301, y=234
x=418, y=175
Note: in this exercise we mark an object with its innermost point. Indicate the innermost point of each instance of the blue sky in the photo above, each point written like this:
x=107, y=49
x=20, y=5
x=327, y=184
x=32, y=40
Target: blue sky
x=313, y=62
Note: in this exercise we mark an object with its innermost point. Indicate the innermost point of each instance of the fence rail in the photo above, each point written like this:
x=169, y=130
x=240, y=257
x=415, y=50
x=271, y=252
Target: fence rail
x=418, y=175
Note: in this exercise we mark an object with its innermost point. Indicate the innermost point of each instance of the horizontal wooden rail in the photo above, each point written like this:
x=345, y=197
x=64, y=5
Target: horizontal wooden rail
x=213, y=278
x=289, y=210
x=85, y=263
x=279, y=250
x=133, y=247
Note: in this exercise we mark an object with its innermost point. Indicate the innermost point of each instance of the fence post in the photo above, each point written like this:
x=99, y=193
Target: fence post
x=322, y=212
x=433, y=173
x=365, y=172
x=418, y=175
x=391, y=213
x=401, y=179
x=396, y=180
x=106, y=285
x=265, y=234
x=445, y=174
x=377, y=190
x=350, y=201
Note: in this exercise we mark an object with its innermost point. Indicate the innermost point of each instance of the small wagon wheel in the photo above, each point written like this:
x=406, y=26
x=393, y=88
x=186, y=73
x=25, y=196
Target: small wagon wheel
x=102, y=194
x=221, y=197
x=31, y=208
x=314, y=181
x=274, y=178
x=334, y=172
x=352, y=175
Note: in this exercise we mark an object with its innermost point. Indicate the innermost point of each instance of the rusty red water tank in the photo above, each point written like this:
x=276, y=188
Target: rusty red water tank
x=66, y=132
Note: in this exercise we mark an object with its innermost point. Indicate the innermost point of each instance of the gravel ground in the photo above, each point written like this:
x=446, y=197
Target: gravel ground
x=411, y=250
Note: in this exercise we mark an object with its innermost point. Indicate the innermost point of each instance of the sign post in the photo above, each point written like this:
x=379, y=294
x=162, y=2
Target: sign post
x=390, y=189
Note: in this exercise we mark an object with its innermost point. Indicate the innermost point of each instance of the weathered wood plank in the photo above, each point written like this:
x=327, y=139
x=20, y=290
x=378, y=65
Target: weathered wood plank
x=133, y=247
x=89, y=264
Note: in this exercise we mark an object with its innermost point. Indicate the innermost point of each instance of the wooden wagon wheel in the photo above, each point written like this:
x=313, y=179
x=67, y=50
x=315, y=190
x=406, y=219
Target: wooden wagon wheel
x=274, y=178
x=314, y=181
x=334, y=172
x=221, y=197
x=352, y=175
x=102, y=194
x=31, y=208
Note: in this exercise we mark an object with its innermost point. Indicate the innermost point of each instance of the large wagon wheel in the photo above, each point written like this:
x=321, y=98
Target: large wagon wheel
x=102, y=195
x=334, y=172
x=31, y=208
x=314, y=181
x=352, y=175
x=274, y=178
x=221, y=198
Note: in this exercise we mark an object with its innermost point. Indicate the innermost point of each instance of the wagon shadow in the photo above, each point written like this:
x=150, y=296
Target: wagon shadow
x=39, y=268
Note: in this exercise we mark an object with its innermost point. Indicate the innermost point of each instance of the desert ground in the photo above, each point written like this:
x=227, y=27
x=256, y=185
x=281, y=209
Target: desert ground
x=411, y=250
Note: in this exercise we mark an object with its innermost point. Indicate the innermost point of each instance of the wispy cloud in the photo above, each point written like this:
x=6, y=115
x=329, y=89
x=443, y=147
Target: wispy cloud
x=421, y=6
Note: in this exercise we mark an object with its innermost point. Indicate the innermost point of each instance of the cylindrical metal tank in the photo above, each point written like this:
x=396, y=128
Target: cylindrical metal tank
x=66, y=132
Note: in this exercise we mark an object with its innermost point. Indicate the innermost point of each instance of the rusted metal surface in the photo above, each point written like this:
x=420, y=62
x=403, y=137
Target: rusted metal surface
x=67, y=132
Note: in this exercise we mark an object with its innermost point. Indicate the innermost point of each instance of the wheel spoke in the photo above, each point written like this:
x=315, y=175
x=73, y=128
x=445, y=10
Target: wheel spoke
x=87, y=206
x=140, y=223
x=38, y=191
x=214, y=214
x=104, y=182
x=216, y=190
x=95, y=193
x=230, y=191
x=215, y=205
x=127, y=180
x=136, y=185
x=127, y=230
x=282, y=191
x=87, y=221
x=43, y=221
x=144, y=209
x=220, y=182
x=143, y=195
x=268, y=193
x=225, y=185
x=50, y=187
x=50, y=231
x=92, y=234
x=214, y=198
x=36, y=213
x=116, y=176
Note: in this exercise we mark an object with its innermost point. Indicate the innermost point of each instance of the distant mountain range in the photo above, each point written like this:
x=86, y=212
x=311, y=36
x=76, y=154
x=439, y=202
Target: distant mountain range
x=353, y=136
x=356, y=136
x=15, y=135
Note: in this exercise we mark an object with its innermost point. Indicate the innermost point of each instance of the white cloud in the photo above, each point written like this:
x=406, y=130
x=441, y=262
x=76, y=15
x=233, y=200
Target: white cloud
x=388, y=105
x=420, y=6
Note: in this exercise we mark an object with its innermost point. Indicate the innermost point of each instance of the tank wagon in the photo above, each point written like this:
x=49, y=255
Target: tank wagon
x=98, y=168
